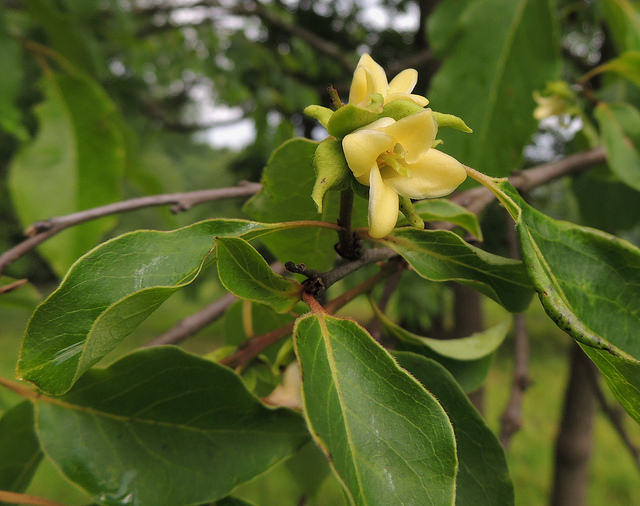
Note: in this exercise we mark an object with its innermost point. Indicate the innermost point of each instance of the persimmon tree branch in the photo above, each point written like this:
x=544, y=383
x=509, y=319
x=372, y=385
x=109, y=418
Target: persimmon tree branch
x=511, y=419
x=475, y=200
x=16, y=498
x=42, y=230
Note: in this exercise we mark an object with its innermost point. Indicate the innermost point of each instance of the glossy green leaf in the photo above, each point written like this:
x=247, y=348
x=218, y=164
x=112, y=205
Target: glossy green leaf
x=469, y=374
x=620, y=127
x=233, y=501
x=19, y=448
x=387, y=438
x=589, y=284
x=473, y=347
x=483, y=477
x=287, y=184
x=10, y=116
x=440, y=255
x=444, y=24
x=79, y=150
x=111, y=290
x=489, y=75
x=445, y=210
x=163, y=427
x=244, y=272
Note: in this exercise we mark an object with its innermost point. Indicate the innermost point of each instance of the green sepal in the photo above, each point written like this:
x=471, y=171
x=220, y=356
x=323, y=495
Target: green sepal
x=319, y=113
x=399, y=109
x=406, y=208
x=332, y=171
x=349, y=118
x=449, y=120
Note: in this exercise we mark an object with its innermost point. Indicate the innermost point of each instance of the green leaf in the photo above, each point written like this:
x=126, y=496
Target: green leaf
x=79, y=150
x=233, y=501
x=589, y=284
x=444, y=23
x=469, y=374
x=445, y=210
x=164, y=427
x=489, y=75
x=10, y=115
x=483, y=477
x=287, y=184
x=244, y=272
x=473, y=347
x=64, y=34
x=19, y=448
x=349, y=118
x=440, y=255
x=111, y=290
x=332, y=171
x=627, y=65
x=387, y=438
x=623, y=19
x=620, y=127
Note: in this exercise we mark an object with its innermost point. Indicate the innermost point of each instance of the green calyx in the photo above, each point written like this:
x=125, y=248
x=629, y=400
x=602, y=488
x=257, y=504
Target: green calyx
x=332, y=171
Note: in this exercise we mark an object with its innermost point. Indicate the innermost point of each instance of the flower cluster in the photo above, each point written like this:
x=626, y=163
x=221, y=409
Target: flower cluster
x=387, y=139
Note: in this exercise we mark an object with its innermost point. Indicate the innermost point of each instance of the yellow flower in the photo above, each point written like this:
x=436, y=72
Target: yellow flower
x=370, y=79
x=553, y=105
x=396, y=158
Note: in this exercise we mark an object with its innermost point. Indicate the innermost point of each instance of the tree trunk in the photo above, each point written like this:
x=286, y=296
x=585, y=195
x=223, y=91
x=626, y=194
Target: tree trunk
x=468, y=317
x=573, y=443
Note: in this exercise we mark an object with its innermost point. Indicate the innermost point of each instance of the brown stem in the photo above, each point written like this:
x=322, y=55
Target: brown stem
x=16, y=498
x=511, y=420
x=574, y=440
x=188, y=326
x=255, y=345
x=375, y=325
x=43, y=230
x=13, y=286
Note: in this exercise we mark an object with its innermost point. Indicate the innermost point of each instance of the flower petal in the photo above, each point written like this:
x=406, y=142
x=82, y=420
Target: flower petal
x=417, y=99
x=378, y=77
x=362, y=147
x=359, y=89
x=434, y=174
x=383, y=206
x=404, y=82
x=415, y=133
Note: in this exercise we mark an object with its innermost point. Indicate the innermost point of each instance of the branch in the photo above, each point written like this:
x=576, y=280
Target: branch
x=13, y=286
x=43, y=230
x=255, y=345
x=16, y=498
x=511, y=419
x=193, y=323
x=615, y=416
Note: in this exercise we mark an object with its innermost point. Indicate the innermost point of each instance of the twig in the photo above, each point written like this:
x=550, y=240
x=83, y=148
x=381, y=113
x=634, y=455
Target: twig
x=511, y=419
x=193, y=323
x=12, y=286
x=43, y=230
x=615, y=416
x=375, y=325
x=16, y=498
x=255, y=345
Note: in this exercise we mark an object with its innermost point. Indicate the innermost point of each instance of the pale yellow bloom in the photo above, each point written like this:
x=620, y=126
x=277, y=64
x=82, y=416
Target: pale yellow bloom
x=370, y=79
x=288, y=393
x=553, y=105
x=396, y=158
